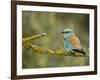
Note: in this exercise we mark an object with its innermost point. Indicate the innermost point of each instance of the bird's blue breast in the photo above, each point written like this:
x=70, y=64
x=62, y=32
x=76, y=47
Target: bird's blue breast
x=68, y=45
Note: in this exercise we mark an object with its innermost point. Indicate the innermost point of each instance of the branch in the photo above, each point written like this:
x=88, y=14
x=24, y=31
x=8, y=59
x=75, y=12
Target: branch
x=29, y=39
x=41, y=50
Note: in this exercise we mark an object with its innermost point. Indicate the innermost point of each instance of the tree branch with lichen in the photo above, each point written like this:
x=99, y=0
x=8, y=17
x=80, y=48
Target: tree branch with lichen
x=27, y=44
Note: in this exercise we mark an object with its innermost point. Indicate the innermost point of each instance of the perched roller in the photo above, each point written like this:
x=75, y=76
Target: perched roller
x=72, y=42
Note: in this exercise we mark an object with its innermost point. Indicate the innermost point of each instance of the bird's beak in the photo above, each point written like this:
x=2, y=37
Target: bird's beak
x=63, y=32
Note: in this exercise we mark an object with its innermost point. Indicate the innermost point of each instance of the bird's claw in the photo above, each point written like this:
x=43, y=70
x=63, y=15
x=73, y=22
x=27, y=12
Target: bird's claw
x=72, y=52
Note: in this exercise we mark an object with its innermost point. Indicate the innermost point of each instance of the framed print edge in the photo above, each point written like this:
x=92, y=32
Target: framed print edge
x=95, y=39
x=14, y=39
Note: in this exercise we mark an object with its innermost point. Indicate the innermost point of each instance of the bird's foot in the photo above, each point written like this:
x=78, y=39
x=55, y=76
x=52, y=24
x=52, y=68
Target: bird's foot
x=71, y=52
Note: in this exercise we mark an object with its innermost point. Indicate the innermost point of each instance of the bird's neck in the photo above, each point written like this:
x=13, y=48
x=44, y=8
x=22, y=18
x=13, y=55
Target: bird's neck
x=67, y=35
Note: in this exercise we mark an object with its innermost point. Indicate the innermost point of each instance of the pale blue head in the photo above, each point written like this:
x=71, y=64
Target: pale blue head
x=67, y=33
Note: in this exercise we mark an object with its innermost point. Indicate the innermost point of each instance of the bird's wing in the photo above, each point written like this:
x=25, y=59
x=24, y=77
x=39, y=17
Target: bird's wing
x=74, y=41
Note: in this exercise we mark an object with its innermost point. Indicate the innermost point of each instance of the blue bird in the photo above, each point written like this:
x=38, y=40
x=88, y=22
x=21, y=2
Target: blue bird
x=72, y=43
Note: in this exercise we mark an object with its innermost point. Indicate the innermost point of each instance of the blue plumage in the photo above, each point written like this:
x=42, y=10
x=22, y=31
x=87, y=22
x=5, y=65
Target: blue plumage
x=67, y=45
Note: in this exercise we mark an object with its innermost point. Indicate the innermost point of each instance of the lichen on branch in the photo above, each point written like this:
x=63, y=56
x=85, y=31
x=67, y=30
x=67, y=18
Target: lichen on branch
x=41, y=50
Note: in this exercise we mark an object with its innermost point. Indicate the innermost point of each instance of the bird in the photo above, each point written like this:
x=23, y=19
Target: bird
x=72, y=42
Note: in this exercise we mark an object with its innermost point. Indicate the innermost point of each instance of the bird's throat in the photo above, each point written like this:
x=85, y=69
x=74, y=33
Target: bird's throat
x=67, y=35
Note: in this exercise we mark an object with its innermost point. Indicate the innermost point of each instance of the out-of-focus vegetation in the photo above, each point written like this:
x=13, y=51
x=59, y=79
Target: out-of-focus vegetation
x=53, y=23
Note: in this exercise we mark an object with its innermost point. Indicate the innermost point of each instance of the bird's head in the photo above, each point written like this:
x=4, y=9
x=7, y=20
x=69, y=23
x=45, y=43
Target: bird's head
x=67, y=32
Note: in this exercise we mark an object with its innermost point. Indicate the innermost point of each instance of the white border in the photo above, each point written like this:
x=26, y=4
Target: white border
x=21, y=71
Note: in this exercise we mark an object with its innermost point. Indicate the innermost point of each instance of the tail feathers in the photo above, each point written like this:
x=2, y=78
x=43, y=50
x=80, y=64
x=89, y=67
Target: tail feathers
x=79, y=51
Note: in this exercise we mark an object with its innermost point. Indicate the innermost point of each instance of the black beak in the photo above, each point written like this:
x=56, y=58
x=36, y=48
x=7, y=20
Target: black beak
x=63, y=32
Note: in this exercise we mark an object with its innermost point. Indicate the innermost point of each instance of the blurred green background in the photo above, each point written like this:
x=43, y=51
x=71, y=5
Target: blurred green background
x=52, y=23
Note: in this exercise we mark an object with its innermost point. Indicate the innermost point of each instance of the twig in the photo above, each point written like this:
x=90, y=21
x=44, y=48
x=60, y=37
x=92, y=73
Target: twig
x=28, y=39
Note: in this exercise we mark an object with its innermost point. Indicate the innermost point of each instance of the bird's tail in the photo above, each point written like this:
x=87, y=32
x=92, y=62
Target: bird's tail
x=79, y=51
